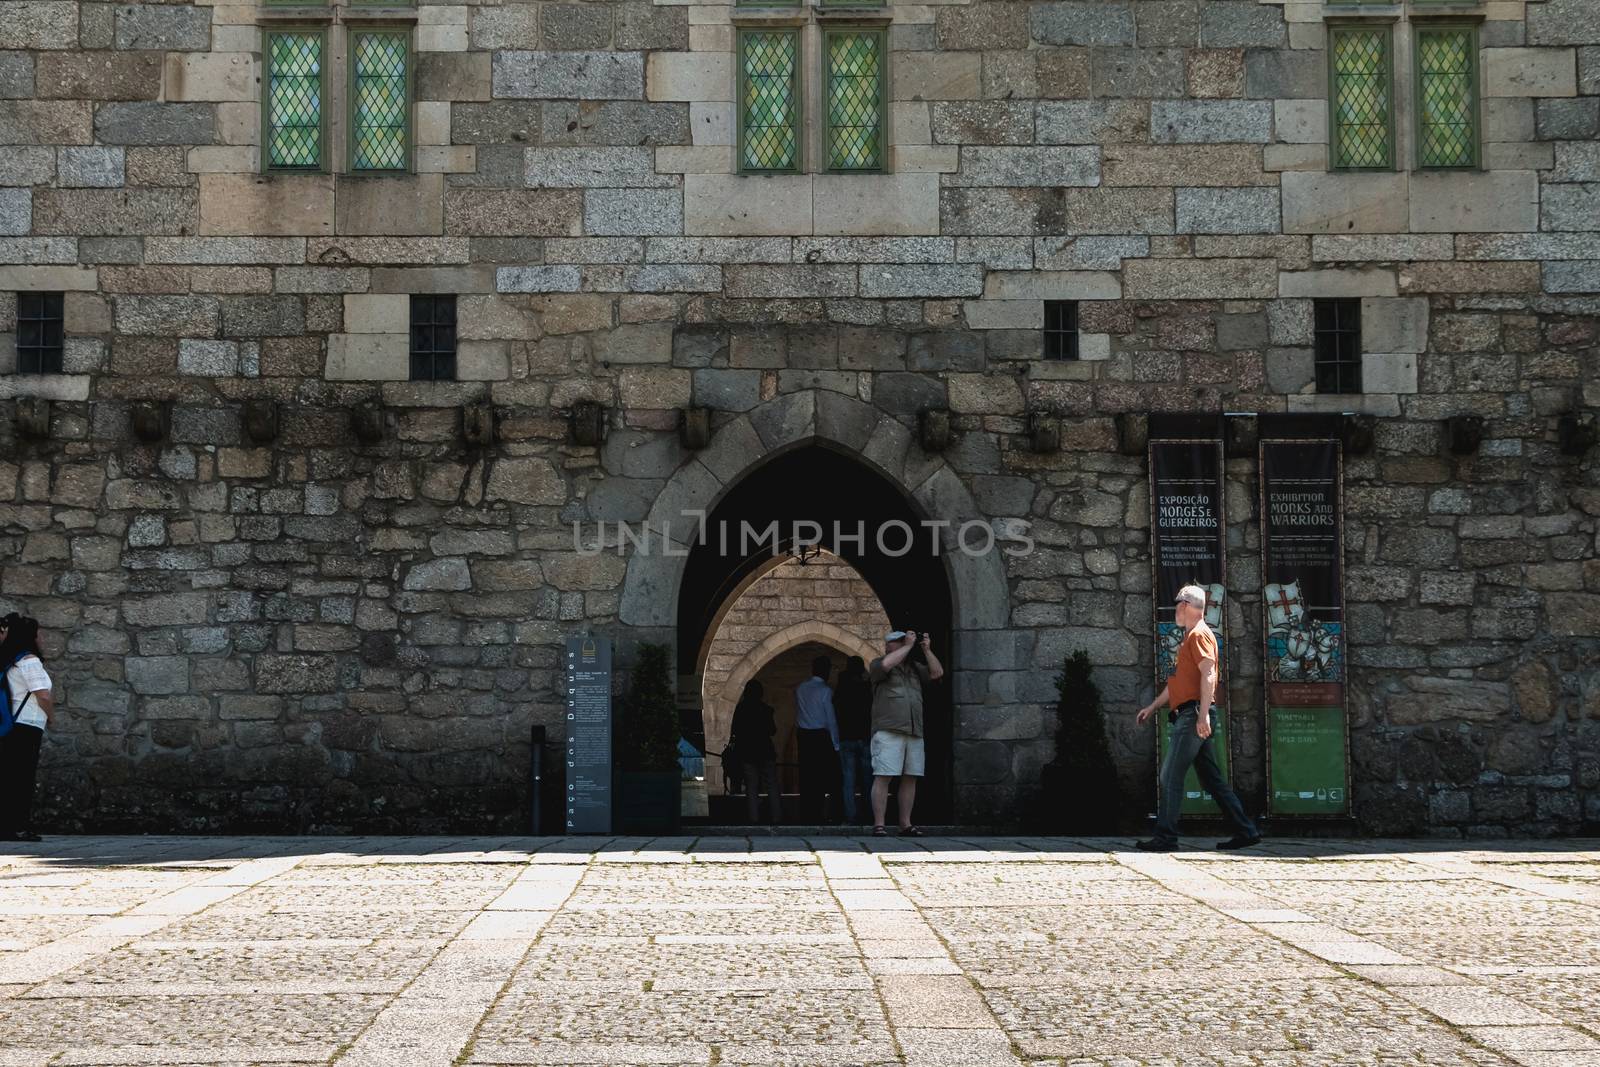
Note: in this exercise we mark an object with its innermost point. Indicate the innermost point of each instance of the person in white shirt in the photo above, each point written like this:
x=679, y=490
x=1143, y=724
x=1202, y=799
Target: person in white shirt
x=818, y=730
x=31, y=704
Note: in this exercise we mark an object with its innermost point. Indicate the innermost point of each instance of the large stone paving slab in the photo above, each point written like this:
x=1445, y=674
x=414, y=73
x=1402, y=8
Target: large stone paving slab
x=435, y=952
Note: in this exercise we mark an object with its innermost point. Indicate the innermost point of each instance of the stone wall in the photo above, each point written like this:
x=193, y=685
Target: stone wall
x=301, y=629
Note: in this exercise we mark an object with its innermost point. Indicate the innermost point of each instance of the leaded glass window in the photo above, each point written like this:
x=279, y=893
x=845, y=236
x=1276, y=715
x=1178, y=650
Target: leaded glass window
x=1447, y=105
x=1361, y=114
x=380, y=101
x=293, y=115
x=853, y=69
x=769, y=100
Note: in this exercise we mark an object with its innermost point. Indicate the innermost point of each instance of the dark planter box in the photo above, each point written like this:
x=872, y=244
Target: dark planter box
x=650, y=801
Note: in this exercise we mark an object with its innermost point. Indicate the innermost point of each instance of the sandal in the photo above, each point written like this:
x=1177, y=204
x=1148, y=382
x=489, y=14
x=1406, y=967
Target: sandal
x=910, y=831
x=879, y=831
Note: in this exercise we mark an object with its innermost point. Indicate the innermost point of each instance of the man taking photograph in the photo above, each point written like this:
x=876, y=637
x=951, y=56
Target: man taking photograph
x=897, y=732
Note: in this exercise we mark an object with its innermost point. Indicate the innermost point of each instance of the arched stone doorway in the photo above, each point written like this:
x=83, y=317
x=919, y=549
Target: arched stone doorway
x=823, y=455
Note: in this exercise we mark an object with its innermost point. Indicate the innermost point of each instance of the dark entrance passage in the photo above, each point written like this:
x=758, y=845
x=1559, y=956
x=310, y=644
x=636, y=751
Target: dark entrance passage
x=833, y=489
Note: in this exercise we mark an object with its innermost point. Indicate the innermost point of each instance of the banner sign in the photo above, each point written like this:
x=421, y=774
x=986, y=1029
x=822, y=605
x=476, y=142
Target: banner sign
x=1302, y=546
x=588, y=664
x=1188, y=537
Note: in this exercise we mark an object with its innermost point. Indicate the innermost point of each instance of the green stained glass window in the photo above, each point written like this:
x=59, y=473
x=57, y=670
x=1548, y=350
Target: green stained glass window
x=1361, y=120
x=854, y=66
x=293, y=105
x=769, y=100
x=380, y=106
x=1447, y=106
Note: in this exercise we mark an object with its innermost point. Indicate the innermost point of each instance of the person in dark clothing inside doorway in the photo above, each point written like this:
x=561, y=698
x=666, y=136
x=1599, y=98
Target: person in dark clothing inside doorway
x=31, y=706
x=818, y=730
x=852, y=705
x=753, y=729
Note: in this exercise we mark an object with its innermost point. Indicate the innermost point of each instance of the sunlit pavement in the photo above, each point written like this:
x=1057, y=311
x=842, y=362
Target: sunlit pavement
x=806, y=951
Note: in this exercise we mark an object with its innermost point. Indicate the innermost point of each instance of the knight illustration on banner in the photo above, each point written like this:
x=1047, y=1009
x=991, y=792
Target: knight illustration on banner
x=1300, y=647
x=1169, y=635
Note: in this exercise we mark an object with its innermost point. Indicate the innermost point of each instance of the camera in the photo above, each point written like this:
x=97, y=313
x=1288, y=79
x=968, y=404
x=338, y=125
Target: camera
x=916, y=655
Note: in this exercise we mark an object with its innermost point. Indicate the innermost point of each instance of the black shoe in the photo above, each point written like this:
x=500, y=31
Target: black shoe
x=1156, y=845
x=1239, y=841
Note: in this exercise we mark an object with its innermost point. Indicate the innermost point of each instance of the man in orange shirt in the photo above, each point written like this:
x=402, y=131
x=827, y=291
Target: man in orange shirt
x=1189, y=692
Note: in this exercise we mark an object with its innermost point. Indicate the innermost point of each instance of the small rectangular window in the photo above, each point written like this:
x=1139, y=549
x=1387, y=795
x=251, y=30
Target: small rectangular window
x=1060, y=329
x=292, y=102
x=1338, y=346
x=1447, y=96
x=854, y=74
x=40, y=333
x=433, y=338
x=380, y=100
x=1361, y=105
x=769, y=101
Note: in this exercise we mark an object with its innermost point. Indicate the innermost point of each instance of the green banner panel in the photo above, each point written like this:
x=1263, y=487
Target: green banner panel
x=1308, y=761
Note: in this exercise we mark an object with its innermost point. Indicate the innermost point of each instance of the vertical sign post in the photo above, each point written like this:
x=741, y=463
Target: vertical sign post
x=1302, y=547
x=588, y=806
x=1188, y=535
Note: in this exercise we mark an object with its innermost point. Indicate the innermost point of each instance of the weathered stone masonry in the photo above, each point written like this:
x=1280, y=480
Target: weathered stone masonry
x=291, y=627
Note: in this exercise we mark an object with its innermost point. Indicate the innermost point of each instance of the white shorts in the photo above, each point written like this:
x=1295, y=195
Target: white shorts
x=894, y=754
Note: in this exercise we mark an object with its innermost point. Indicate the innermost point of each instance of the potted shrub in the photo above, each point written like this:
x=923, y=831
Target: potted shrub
x=1080, y=791
x=648, y=747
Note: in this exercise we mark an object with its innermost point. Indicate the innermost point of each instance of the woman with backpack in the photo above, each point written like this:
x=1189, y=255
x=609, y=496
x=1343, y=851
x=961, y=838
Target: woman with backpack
x=29, y=711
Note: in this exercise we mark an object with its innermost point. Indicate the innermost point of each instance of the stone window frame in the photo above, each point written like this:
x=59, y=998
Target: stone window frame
x=1388, y=27
x=1475, y=87
x=809, y=19
x=1341, y=365
x=407, y=30
x=325, y=150
x=48, y=358
x=433, y=354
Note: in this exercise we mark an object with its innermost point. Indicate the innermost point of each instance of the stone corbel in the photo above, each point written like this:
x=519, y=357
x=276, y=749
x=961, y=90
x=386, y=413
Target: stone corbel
x=1133, y=433
x=1465, y=434
x=148, y=420
x=587, y=422
x=933, y=429
x=366, y=422
x=694, y=427
x=1044, y=433
x=478, y=425
x=261, y=420
x=1358, y=432
x=32, y=418
x=1577, y=433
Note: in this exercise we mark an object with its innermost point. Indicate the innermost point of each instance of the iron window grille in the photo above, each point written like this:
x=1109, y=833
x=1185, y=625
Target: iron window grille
x=380, y=100
x=292, y=118
x=40, y=333
x=1337, y=332
x=1446, y=64
x=1060, y=329
x=433, y=338
x=855, y=76
x=1360, y=98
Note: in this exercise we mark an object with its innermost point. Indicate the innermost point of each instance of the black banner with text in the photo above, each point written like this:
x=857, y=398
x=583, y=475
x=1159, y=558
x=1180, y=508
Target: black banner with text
x=1302, y=545
x=1188, y=536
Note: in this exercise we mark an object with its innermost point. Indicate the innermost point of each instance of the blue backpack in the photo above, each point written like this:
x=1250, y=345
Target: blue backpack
x=8, y=714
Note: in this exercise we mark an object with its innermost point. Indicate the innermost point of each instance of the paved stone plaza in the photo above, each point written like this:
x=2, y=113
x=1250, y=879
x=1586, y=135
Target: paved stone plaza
x=442, y=951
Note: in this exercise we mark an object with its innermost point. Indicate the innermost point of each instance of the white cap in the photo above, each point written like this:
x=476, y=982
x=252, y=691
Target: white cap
x=894, y=635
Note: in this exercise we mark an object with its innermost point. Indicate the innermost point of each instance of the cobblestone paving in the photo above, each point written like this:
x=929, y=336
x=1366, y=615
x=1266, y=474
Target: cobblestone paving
x=439, y=952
